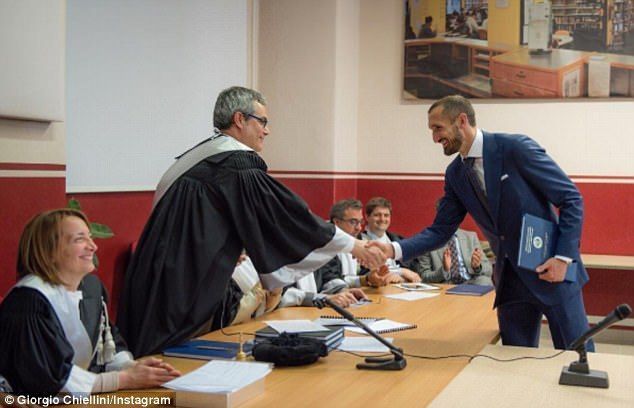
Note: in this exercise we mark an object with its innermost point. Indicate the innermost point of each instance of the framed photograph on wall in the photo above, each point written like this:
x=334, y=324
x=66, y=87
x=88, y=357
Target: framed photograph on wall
x=518, y=49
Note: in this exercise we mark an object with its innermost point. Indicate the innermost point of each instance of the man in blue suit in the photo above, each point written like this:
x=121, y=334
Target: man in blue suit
x=497, y=178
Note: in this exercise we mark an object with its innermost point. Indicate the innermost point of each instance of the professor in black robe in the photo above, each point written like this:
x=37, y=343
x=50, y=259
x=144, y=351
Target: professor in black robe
x=29, y=323
x=212, y=203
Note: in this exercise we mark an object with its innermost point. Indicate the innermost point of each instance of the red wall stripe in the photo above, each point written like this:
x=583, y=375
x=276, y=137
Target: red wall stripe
x=608, y=289
x=20, y=200
x=32, y=166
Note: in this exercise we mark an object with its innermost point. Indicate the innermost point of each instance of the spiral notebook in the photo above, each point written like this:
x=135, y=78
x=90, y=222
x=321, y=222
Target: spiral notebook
x=327, y=320
x=384, y=326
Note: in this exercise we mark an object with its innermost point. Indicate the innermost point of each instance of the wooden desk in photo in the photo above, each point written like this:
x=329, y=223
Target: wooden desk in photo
x=470, y=58
x=535, y=383
x=520, y=74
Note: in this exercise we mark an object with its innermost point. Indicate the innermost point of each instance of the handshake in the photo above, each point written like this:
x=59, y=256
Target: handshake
x=372, y=254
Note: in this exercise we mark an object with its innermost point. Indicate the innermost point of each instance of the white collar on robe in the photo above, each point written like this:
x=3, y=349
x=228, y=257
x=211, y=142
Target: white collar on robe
x=218, y=143
x=66, y=306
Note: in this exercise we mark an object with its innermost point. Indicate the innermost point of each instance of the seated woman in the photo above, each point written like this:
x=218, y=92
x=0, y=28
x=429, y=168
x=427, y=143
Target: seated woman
x=56, y=336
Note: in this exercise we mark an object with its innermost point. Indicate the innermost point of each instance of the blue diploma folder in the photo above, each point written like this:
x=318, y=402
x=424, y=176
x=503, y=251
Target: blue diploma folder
x=537, y=244
x=470, y=289
x=207, y=350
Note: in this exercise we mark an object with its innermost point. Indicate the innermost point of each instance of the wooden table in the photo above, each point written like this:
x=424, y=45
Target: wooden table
x=535, y=383
x=447, y=324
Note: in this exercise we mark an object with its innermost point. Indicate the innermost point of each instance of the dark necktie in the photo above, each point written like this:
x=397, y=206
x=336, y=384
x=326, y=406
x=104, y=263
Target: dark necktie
x=475, y=183
x=454, y=270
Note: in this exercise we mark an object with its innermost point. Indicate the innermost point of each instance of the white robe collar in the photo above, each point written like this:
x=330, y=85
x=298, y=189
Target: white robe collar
x=218, y=143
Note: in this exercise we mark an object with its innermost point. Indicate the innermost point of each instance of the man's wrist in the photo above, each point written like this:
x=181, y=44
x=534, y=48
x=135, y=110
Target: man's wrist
x=567, y=260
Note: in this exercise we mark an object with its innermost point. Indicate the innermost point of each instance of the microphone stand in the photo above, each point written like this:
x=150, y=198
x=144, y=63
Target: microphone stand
x=579, y=373
x=397, y=362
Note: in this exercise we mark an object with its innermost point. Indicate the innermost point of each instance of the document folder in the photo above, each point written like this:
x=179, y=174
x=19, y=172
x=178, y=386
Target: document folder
x=537, y=244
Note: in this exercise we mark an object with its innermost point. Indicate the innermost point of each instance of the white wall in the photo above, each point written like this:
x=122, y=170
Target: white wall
x=586, y=137
x=296, y=73
x=346, y=107
x=142, y=78
x=32, y=142
x=32, y=54
x=32, y=44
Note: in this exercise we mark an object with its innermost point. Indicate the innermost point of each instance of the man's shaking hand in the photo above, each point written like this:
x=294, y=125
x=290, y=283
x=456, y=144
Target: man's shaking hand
x=369, y=256
x=387, y=249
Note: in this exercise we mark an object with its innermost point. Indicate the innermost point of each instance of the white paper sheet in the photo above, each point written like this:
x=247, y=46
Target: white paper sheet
x=380, y=325
x=220, y=376
x=416, y=286
x=364, y=345
x=410, y=296
x=295, y=326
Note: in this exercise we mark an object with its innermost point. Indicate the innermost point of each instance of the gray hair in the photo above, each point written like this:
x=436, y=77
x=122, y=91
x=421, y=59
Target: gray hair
x=454, y=105
x=232, y=100
x=339, y=208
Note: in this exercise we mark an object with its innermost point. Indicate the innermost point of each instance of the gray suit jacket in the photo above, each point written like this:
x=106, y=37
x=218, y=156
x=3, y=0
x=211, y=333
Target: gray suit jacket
x=432, y=261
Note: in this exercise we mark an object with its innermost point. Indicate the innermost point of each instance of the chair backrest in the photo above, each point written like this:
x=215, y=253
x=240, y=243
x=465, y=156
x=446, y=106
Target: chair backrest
x=482, y=33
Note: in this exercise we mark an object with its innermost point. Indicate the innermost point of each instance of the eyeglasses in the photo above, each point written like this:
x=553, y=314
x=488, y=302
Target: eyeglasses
x=353, y=222
x=263, y=121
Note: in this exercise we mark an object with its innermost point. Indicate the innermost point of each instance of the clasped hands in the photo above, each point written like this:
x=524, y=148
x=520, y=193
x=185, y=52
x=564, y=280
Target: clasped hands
x=372, y=254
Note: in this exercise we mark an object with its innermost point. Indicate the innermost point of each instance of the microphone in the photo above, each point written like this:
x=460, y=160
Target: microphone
x=398, y=362
x=620, y=313
x=578, y=372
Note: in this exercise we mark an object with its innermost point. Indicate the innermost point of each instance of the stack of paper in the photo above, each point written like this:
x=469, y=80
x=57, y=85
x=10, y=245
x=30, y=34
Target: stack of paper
x=364, y=345
x=220, y=384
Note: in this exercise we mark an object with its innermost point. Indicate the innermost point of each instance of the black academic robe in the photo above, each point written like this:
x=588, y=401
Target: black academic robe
x=35, y=356
x=180, y=271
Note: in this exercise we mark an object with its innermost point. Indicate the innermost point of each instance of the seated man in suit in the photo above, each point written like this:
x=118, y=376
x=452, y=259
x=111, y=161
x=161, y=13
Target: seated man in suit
x=460, y=260
x=378, y=212
x=347, y=215
x=468, y=265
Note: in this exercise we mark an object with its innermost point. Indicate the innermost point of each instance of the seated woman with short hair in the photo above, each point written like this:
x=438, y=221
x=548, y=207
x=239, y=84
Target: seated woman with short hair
x=56, y=335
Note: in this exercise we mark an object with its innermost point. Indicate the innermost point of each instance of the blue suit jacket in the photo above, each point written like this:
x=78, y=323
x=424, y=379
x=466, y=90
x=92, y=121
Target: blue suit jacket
x=520, y=178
